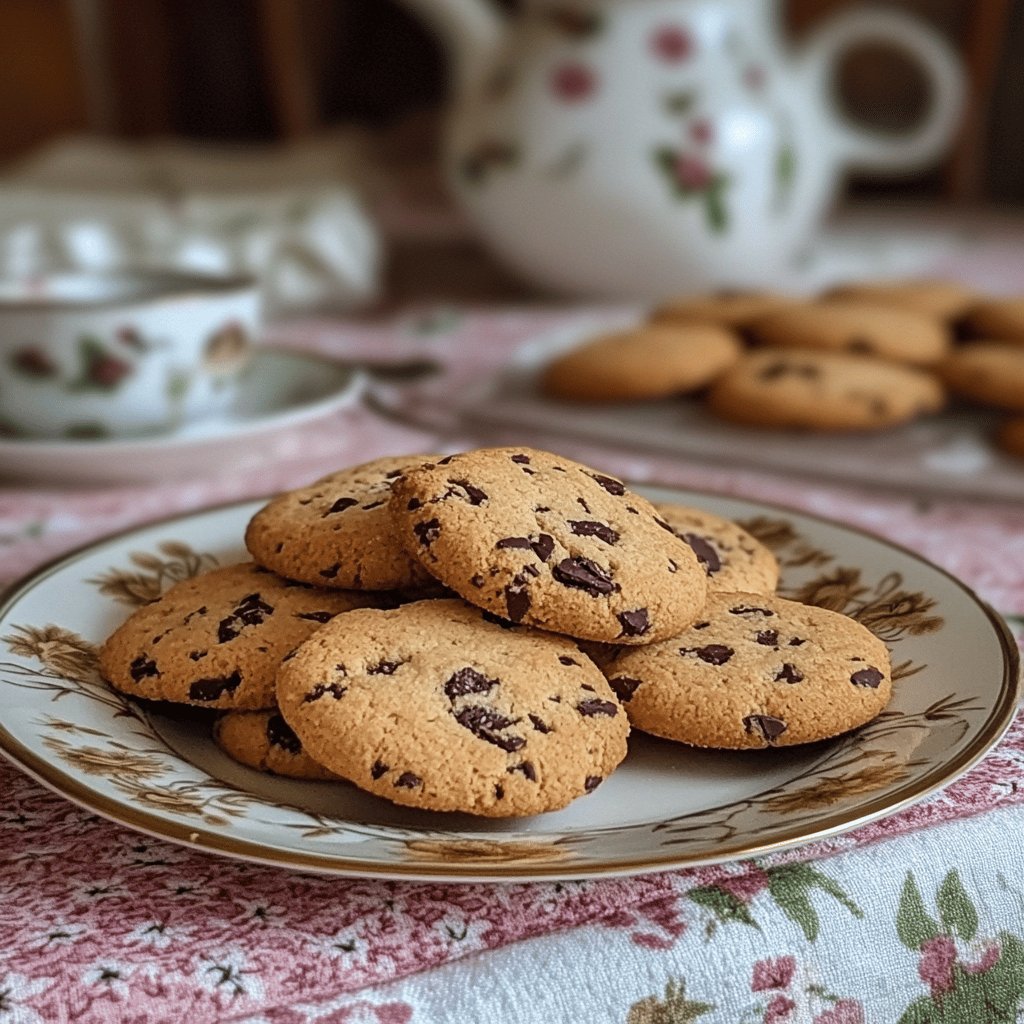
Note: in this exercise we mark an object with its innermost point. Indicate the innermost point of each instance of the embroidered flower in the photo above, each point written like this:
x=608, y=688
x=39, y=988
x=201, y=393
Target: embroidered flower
x=745, y=886
x=938, y=956
x=779, y=1009
x=846, y=1011
x=776, y=972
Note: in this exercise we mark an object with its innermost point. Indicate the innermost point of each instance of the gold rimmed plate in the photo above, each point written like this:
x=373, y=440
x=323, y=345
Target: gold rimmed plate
x=957, y=688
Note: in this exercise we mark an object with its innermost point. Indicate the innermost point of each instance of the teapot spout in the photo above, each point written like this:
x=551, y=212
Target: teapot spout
x=470, y=29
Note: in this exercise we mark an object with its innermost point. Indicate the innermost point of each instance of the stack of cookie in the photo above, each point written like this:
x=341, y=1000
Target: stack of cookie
x=860, y=357
x=476, y=633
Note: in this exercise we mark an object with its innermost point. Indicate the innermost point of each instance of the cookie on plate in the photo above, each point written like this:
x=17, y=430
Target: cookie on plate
x=736, y=308
x=431, y=705
x=944, y=300
x=756, y=671
x=216, y=640
x=650, y=362
x=540, y=539
x=336, y=532
x=823, y=391
x=988, y=372
x=862, y=328
x=1000, y=319
x=1011, y=437
x=732, y=558
x=263, y=740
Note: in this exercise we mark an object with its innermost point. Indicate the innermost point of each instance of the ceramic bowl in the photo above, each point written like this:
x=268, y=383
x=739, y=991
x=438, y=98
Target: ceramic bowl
x=97, y=355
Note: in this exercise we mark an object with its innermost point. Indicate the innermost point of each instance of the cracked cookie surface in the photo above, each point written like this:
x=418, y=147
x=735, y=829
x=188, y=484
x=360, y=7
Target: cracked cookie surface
x=264, y=740
x=217, y=639
x=755, y=671
x=540, y=539
x=433, y=705
x=337, y=532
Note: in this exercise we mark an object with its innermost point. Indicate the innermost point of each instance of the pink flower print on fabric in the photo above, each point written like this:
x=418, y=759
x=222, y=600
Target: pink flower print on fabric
x=776, y=972
x=938, y=956
x=672, y=44
x=745, y=886
x=846, y=1011
x=573, y=83
x=778, y=1010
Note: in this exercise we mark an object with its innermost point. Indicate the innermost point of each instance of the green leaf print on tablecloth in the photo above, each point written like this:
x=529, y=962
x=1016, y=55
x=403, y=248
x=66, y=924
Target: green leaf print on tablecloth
x=971, y=980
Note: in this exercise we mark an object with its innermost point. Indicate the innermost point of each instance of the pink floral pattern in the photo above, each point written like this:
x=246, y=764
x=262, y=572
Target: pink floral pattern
x=574, y=82
x=672, y=44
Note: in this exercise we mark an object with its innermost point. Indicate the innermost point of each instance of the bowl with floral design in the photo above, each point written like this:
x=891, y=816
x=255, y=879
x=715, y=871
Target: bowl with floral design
x=94, y=355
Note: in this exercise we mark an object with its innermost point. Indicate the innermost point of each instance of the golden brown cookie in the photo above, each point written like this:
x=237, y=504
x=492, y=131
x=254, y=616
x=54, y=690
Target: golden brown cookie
x=216, y=640
x=732, y=559
x=431, y=705
x=647, y=362
x=337, y=532
x=997, y=319
x=540, y=539
x=263, y=740
x=823, y=391
x=989, y=372
x=737, y=309
x=756, y=671
x=944, y=300
x=860, y=328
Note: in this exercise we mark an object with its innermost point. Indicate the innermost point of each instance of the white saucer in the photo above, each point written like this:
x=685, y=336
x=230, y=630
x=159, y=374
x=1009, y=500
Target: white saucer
x=281, y=389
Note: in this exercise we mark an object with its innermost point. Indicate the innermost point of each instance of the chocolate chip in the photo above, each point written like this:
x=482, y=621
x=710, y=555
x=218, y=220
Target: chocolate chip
x=372, y=505
x=582, y=503
x=539, y=724
x=589, y=528
x=789, y=674
x=768, y=637
x=143, y=667
x=624, y=687
x=474, y=495
x=477, y=581
x=427, y=531
x=706, y=553
x=701, y=625
x=542, y=508
x=378, y=769
x=556, y=699
x=713, y=654
x=331, y=571
x=673, y=566
x=532, y=570
x=407, y=780
x=291, y=654
x=543, y=546
x=797, y=642
x=514, y=542
x=746, y=609
x=517, y=602
x=414, y=503
x=526, y=767
x=664, y=525
x=279, y=548
x=250, y=611
x=196, y=655
x=591, y=782
x=869, y=677
x=211, y=689
x=279, y=734
x=521, y=459
x=467, y=680
x=770, y=728
x=610, y=484
x=446, y=460
x=336, y=690
x=384, y=668
x=634, y=623
x=499, y=791
x=339, y=506
x=528, y=471
x=634, y=511
x=566, y=660
x=595, y=706
x=587, y=686
x=315, y=616
x=497, y=620
x=393, y=474
x=584, y=574
x=486, y=724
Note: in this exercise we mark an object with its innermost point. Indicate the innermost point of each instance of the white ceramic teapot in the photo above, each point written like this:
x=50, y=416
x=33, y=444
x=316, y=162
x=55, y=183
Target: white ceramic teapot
x=638, y=148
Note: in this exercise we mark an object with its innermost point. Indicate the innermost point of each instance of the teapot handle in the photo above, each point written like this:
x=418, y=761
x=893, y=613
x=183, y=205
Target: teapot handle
x=862, y=148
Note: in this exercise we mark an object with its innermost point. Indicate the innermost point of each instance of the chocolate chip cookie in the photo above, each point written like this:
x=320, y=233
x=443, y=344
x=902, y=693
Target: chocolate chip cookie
x=944, y=300
x=737, y=309
x=731, y=557
x=823, y=391
x=861, y=328
x=645, y=363
x=756, y=671
x=263, y=740
x=540, y=539
x=431, y=705
x=216, y=640
x=989, y=372
x=336, y=532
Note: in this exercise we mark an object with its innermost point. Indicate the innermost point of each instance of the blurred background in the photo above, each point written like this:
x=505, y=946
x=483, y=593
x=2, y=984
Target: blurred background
x=369, y=78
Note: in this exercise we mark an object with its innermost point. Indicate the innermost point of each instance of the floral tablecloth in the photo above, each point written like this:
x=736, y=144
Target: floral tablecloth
x=917, y=918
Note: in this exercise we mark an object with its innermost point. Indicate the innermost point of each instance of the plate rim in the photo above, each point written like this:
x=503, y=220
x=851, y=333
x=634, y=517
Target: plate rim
x=198, y=837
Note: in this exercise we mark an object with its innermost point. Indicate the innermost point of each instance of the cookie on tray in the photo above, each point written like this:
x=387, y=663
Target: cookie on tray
x=216, y=640
x=737, y=308
x=731, y=557
x=823, y=391
x=756, y=671
x=944, y=300
x=432, y=705
x=539, y=539
x=997, y=319
x=861, y=328
x=263, y=740
x=336, y=532
x=651, y=362
x=989, y=372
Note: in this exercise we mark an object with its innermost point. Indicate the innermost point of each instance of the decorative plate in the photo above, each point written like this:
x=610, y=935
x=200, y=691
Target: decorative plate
x=667, y=806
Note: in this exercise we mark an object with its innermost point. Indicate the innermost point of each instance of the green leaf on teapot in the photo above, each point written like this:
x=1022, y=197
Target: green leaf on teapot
x=99, y=368
x=714, y=204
